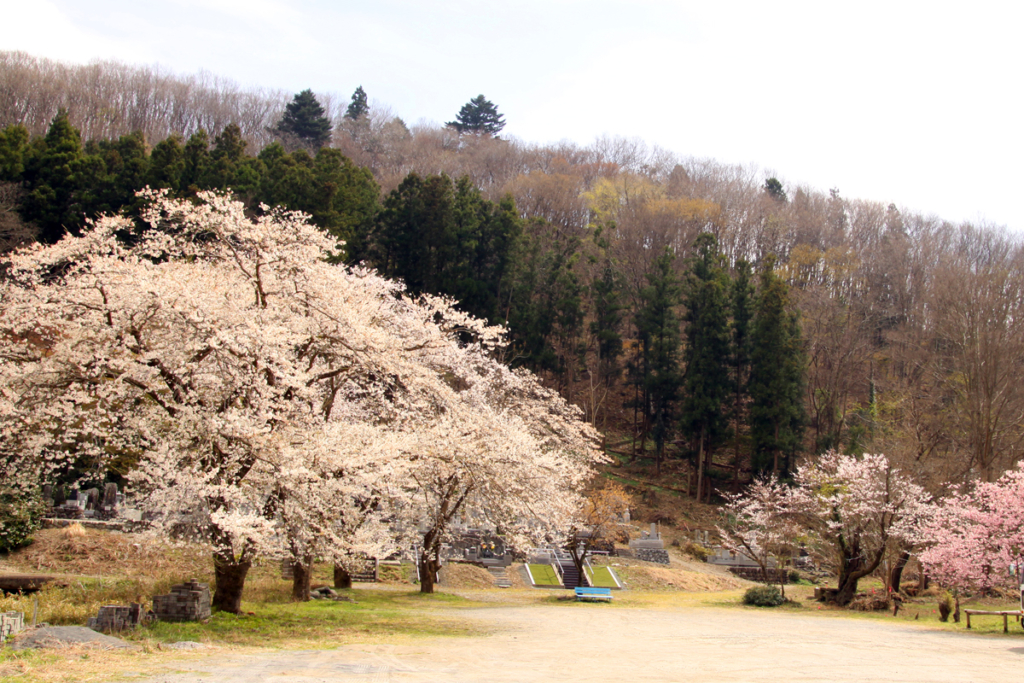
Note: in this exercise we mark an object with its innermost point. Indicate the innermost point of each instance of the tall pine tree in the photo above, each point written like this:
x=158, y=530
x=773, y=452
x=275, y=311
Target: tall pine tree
x=742, y=301
x=606, y=293
x=358, y=108
x=479, y=116
x=706, y=379
x=53, y=178
x=305, y=122
x=777, y=375
x=658, y=327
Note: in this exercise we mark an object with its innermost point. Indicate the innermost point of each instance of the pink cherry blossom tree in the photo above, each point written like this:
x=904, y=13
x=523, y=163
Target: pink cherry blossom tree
x=761, y=524
x=261, y=399
x=976, y=536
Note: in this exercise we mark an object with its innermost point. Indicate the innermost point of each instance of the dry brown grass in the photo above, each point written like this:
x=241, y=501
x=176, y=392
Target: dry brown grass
x=80, y=665
x=458, y=575
x=99, y=568
x=646, y=576
x=89, y=552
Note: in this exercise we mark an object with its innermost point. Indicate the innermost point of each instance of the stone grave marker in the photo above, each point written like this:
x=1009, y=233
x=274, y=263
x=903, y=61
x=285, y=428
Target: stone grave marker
x=11, y=623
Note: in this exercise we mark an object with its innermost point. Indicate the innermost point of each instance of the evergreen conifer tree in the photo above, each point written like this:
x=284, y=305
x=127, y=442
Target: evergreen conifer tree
x=14, y=143
x=606, y=327
x=742, y=301
x=773, y=188
x=305, y=121
x=229, y=167
x=658, y=327
x=358, y=107
x=167, y=164
x=777, y=375
x=53, y=169
x=706, y=354
x=196, y=160
x=479, y=115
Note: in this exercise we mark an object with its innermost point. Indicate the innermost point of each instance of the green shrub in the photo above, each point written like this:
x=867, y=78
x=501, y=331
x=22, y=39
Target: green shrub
x=19, y=519
x=763, y=596
x=945, y=606
x=698, y=552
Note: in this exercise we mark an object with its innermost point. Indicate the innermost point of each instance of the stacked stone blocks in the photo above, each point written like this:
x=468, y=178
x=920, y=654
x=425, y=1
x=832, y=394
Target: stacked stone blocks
x=186, y=602
x=118, y=617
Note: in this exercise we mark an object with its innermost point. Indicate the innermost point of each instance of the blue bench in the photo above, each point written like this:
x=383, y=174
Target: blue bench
x=594, y=594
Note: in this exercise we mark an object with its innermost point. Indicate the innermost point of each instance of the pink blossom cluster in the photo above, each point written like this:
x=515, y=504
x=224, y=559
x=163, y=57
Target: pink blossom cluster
x=977, y=536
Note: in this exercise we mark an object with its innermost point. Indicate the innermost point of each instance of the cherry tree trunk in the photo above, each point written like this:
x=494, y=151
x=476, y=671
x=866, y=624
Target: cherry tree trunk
x=896, y=575
x=578, y=555
x=229, y=575
x=851, y=573
x=429, y=566
x=302, y=573
x=342, y=579
x=847, y=589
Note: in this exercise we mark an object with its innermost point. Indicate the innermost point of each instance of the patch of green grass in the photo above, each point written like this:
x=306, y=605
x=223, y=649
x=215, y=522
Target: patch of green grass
x=544, y=575
x=323, y=623
x=601, y=577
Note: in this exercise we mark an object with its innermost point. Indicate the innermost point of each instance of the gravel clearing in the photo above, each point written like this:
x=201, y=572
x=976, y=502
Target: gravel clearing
x=592, y=642
x=65, y=636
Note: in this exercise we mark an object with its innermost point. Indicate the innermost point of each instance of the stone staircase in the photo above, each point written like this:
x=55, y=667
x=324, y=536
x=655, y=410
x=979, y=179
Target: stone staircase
x=500, y=576
x=570, y=576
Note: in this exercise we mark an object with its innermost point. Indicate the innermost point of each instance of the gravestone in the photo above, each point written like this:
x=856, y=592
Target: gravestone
x=11, y=623
x=110, y=496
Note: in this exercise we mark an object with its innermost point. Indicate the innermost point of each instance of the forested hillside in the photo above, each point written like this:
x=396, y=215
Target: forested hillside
x=703, y=312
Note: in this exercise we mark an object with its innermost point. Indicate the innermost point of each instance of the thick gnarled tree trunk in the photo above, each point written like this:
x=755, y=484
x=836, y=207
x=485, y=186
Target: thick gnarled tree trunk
x=229, y=575
x=854, y=568
x=430, y=565
x=302, y=574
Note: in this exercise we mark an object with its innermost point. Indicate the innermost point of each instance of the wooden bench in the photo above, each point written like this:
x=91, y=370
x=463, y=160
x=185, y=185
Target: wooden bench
x=1003, y=613
x=594, y=594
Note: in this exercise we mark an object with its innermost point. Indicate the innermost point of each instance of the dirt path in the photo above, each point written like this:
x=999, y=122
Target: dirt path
x=584, y=643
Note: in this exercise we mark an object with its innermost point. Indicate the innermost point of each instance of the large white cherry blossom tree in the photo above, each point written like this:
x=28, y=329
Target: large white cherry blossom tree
x=858, y=508
x=266, y=401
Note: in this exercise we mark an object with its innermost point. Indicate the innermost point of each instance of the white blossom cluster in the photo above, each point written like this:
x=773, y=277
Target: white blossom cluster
x=267, y=401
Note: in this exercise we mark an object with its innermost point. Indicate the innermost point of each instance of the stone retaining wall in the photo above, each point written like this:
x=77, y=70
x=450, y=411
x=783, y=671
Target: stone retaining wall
x=775, y=576
x=658, y=555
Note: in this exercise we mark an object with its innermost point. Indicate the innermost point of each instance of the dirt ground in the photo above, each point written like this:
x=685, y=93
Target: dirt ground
x=595, y=642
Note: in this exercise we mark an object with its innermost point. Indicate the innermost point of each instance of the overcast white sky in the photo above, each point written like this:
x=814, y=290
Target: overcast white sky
x=917, y=103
